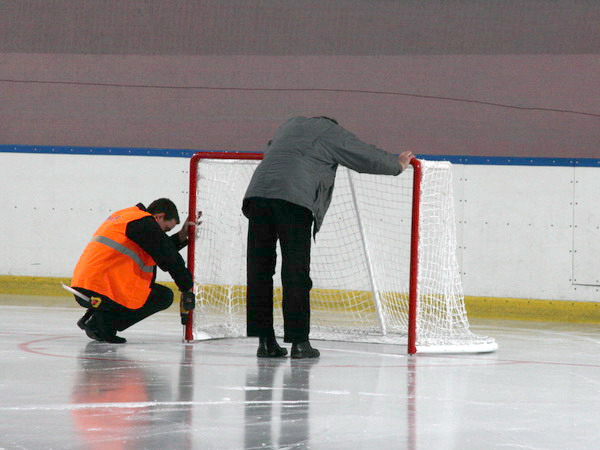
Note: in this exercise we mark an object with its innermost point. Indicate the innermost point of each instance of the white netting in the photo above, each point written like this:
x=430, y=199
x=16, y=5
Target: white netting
x=359, y=262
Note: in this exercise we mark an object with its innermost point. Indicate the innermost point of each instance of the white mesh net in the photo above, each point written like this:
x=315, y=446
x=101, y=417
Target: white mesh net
x=359, y=262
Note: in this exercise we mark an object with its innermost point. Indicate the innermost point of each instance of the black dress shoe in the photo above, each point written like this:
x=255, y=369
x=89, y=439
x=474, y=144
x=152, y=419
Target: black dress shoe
x=86, y=316
x=269, y=348
x=114, y=339
x=301, y=350
x=90, y=332
x=93, y=329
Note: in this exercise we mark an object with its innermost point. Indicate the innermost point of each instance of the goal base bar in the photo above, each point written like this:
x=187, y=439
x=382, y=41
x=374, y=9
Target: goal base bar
x=487, y=347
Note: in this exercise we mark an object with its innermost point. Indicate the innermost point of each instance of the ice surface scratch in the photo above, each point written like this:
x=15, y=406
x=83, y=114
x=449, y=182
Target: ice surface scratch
x=77, y=406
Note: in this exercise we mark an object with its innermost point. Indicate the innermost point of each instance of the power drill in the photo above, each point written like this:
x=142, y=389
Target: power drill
x=187, y=303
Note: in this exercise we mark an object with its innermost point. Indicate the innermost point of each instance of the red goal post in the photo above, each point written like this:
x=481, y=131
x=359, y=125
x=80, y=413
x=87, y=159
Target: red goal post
x=406, y=310
x=193, y=212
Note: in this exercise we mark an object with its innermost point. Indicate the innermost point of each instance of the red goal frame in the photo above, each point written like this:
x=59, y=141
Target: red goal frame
x=414, y=246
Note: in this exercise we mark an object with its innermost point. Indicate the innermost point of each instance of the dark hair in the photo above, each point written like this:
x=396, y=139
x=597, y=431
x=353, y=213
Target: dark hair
x=164, y=205
x=327, y=118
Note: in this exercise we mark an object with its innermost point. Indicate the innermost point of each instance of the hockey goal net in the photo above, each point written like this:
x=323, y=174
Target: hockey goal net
x=383, y=264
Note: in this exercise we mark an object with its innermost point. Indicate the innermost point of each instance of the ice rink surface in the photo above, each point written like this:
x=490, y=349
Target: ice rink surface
x=59, y=390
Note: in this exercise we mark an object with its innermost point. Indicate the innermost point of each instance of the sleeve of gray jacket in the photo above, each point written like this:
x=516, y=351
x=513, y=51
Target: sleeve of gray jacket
x=349, y=151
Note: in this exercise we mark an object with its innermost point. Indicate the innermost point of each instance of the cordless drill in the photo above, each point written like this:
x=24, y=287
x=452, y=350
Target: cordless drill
x=187, y=303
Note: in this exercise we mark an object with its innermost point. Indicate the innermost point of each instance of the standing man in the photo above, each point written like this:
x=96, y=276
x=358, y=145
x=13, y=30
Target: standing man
x=288, y=194
x=117, y=269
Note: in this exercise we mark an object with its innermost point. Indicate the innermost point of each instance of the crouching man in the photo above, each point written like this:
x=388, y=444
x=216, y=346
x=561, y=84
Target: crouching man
x=116, y=273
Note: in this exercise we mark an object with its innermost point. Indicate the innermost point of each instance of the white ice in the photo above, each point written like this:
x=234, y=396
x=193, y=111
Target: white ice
x=59, y=390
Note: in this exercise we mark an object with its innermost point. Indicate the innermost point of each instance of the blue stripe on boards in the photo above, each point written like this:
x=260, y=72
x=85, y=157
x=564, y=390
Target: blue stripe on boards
x=187, y=153
x=514, y=161
x=116, y=151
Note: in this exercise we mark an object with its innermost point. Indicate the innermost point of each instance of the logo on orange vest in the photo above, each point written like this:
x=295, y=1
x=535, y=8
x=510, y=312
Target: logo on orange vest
x=96, y=302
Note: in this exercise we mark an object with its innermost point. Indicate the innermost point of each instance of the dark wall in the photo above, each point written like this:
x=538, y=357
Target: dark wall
x=478, y=77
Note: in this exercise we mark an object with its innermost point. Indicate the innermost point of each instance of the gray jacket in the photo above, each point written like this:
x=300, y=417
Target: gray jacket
x=300, y=164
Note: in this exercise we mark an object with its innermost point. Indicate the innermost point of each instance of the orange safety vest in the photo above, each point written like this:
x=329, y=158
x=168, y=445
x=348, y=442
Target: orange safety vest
x=115, y=266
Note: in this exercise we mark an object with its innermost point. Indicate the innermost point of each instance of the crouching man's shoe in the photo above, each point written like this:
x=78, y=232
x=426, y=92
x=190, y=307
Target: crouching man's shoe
x=93, y=329
x=301, y=350
x=269, y=348
x=81, y=322
x=114, y=339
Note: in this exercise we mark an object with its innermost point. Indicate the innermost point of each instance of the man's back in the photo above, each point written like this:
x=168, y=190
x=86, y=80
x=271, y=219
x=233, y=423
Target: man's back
x=301, y=163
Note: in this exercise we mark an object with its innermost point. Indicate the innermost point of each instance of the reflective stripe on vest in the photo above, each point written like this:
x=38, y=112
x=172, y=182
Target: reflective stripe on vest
x=124, y=250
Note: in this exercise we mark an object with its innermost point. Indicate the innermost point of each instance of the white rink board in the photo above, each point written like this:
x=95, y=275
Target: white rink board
x=55, y=203
x=586, y=229
x=514, y=223
x=517, y=228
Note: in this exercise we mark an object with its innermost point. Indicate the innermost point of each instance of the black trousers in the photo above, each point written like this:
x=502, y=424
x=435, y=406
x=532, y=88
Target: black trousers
x=272, y=220
x=116, y=317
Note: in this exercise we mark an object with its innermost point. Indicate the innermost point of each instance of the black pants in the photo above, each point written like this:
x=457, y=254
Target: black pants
x=116, y=317
x=271, y=220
